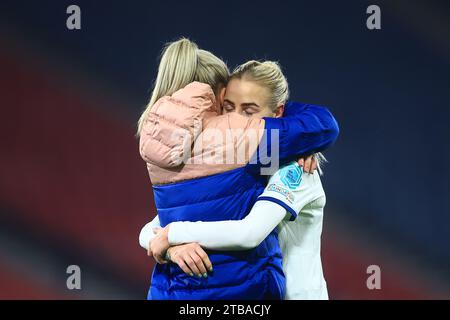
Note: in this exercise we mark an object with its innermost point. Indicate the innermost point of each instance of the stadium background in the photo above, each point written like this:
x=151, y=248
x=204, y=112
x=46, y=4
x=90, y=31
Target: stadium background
x=73, y=189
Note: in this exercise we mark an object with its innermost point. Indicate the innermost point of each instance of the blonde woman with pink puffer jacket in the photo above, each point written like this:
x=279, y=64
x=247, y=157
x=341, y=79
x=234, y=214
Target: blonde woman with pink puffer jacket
x=205, y=166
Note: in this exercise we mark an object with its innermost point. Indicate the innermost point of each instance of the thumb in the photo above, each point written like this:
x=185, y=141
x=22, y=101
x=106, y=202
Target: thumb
x=156, y=230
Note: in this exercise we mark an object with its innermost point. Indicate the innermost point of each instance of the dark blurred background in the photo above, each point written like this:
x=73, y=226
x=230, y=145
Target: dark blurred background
x=74, y=191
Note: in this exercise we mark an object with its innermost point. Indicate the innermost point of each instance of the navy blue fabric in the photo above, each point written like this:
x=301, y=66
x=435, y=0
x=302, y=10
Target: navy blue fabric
x=249, y=274
x=304, y=129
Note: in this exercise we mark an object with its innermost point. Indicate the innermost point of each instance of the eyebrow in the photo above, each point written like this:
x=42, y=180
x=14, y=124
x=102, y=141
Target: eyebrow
x=246, y=104
x=226, y=100
x=250, y=104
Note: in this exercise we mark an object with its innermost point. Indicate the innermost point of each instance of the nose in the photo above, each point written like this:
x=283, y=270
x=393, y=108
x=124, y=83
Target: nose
x=240, y=111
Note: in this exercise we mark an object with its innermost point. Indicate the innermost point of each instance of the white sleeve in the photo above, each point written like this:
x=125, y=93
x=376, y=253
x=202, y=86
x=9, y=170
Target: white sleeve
x=290, y=188
x=231, y=234
x=147, y=234
x=283, y=198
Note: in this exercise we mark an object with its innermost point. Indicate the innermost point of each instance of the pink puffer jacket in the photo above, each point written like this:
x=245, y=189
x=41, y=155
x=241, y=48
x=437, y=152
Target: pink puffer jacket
x=184, y=136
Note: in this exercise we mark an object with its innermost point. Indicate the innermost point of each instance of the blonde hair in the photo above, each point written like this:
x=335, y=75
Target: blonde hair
x=269, y=75
x=182, y=62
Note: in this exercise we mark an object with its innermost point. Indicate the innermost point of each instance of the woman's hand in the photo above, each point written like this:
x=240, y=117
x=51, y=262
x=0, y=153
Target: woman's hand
x=191, y=258
x=159, y=245
x=309, y=163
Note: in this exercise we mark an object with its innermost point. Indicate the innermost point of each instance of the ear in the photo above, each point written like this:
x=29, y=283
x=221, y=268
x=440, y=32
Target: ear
x=221, y=96
x=279, y=111
x=219, y=99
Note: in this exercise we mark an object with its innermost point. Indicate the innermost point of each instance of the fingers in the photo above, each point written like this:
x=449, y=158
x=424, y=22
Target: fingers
x=157, y=252
x=191, y=258
x=149, y=250
x=158, y=260
x=205, y=259
x=192, y=265
x=307, y=166
x=313, y=164
x=199, y=263
x=156, y=230
x=305, y=163
x=184, y=267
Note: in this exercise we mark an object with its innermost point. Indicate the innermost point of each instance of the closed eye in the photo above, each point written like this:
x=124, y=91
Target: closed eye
x=250, y=111
x=228, y=108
